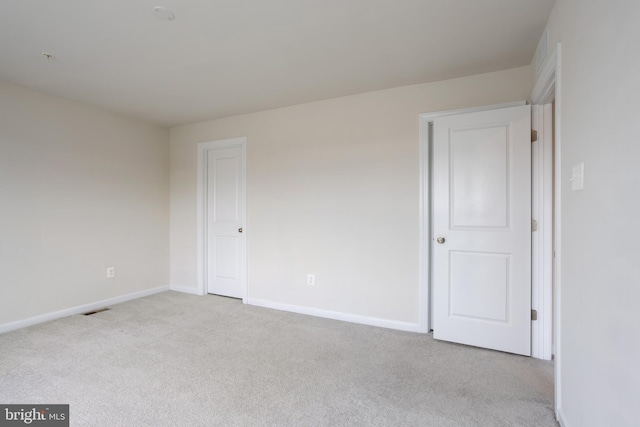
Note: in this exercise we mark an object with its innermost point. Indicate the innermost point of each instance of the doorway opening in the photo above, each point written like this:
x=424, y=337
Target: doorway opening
x=546, y=208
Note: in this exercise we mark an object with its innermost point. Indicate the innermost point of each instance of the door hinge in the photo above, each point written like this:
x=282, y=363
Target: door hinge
x=534, y=135
x=534, y=225
x=534, y=314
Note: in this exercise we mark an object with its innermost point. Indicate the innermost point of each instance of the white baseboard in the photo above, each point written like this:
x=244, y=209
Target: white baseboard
x=18, y=324
x=336, y=315
x=560, y=417
x=185, y=289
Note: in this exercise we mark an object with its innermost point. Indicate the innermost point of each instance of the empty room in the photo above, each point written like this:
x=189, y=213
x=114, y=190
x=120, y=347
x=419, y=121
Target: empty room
x=319, y=213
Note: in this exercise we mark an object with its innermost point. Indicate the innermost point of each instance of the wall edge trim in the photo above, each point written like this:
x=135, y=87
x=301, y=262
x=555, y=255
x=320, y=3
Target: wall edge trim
x=185, y=290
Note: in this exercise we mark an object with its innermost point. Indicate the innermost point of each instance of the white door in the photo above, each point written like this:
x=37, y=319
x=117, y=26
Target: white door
x=225, y=240
x=482, y=229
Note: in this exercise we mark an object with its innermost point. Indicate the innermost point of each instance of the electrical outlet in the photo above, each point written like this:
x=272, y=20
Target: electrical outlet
x=311, y=279
x=111, y=272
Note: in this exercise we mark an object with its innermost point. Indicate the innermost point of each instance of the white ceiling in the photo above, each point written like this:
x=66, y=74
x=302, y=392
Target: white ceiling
x=225, y=57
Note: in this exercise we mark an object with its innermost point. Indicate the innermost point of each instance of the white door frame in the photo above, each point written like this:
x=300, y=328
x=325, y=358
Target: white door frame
x=425, y=208
x=203, y=148
x=542, y=239
x=548, y=89
x=545, y=339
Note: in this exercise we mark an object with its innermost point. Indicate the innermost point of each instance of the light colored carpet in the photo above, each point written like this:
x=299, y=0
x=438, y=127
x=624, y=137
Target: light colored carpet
x=181, y=360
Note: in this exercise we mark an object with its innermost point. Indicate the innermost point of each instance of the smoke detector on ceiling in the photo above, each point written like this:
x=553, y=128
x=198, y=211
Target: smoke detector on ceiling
x=163, y=13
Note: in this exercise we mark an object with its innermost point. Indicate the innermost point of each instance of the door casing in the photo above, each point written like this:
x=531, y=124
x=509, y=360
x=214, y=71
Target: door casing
x=547, y=89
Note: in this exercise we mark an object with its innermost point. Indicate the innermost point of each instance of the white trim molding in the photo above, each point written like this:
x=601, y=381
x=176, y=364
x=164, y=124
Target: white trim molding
x=185, y=289
x=203, y=148
x=337, y=315
x=19, y=324
x=542, y=239
x=424, y=251
x=560, y=417
x=544, y=88
x=548, y=89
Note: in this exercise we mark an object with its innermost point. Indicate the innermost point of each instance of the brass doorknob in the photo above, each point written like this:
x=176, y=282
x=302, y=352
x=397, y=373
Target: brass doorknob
x=440, y=240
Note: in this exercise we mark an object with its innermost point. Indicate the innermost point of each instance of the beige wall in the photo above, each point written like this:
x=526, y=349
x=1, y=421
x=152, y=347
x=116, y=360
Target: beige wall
x=332, y=189
x=600, y=288
x=80, y=190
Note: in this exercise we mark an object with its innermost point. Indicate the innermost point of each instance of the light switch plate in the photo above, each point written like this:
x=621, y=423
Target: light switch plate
x=577, y=177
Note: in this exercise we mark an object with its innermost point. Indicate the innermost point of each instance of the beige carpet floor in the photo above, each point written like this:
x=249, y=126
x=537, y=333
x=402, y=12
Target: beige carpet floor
x=181, y=360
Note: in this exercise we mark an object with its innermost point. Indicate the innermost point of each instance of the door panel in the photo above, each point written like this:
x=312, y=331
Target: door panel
x=226, y=247
x=477, y=276
x=482, y=210
x=226, y=257
x=479, y=162
x=224, y=183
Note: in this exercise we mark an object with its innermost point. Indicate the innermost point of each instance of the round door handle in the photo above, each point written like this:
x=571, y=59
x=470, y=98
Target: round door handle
x=440, y=240
x=240, y=230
